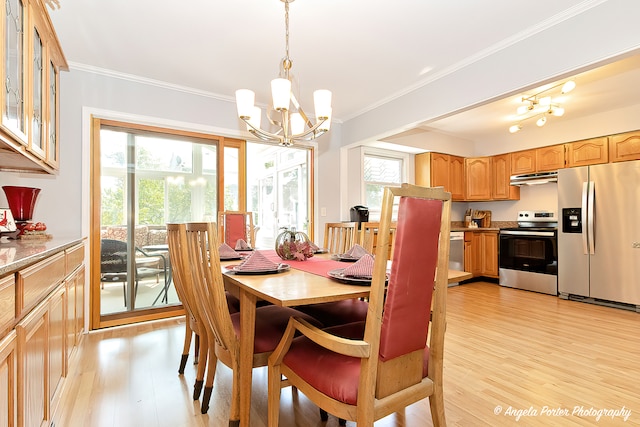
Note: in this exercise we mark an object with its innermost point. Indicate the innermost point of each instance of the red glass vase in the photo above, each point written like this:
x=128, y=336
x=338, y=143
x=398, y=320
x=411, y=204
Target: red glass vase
x=21, y=200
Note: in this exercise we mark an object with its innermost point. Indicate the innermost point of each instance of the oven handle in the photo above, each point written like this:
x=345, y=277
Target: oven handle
x=528, y=233
x=584, y=219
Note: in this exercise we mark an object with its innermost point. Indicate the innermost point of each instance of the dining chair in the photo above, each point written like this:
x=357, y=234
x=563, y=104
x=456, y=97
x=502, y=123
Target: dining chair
x=367, y=370
x=183, y=282
x=339, y=236
x=236, y=225
x=222, y=327
x=368, y=235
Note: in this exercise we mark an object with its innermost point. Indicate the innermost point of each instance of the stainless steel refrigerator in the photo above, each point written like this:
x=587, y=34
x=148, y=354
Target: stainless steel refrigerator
x=599, y=233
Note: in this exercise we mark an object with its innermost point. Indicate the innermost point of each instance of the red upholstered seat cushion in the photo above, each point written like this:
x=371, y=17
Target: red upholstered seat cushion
x=271, y=321
x=337, y=313
x=312, y=362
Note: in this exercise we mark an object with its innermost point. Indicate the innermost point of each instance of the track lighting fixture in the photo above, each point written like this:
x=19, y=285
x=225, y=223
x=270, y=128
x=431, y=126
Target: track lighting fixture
x=537, y=106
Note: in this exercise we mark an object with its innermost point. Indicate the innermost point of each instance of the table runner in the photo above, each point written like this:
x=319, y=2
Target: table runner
x=313, y=265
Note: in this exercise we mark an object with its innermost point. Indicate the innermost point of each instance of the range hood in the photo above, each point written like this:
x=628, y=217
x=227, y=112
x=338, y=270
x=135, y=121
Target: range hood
x=534, y=178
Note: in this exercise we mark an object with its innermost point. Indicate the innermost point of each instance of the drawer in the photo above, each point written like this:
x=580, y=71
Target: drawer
x=35, y=282
x=7, y=302
x=74, y=257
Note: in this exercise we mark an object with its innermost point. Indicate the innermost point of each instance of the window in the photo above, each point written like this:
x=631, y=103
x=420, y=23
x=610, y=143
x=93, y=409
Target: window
x=380, y=171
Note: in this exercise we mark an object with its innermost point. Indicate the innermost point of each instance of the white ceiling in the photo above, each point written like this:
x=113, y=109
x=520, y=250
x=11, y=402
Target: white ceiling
x=366, y=52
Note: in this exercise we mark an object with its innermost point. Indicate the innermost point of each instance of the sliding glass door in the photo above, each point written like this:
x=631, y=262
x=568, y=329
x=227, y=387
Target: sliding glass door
x=144, y=177
x=147, y=178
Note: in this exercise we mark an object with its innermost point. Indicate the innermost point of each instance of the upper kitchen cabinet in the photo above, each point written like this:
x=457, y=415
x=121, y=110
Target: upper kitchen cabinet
x=501, y=167
x=32, y=60
x=479, y=178
x=587, y=152
x=542, y=159
x=550, y=158
x=441, y=170
x=523, y=162
x=624, y=146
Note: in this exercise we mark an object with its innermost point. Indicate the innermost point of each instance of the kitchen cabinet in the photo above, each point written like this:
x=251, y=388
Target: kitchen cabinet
x=32, y=59
x=550, y=158
x=456, y=177
x=7, y=304
x=75, y=309
x=540, y=159
x=56, y=345
x=479, y=178
x=523, y=162
x=33, y=367
x=587, y=152
x=35, y=354
x=624, y=146
x=481, y=253
x=8, y=380
x=501, y=176
x=436, y=169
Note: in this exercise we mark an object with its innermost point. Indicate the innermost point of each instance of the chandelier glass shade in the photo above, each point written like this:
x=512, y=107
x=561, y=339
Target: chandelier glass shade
x=540, y=107
x=285, y=112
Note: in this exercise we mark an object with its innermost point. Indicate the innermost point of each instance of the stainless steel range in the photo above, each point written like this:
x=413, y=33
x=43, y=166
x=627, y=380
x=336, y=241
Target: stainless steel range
x=529, y=253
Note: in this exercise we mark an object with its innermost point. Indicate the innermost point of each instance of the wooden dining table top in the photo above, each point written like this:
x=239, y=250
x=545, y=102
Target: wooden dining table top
x=296, y=287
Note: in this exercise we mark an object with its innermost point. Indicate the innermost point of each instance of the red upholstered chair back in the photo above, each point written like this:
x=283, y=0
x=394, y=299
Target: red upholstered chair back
x=235, y=228
x=407, y=305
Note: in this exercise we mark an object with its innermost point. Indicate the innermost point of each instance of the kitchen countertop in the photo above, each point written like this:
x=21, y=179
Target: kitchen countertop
x=495, y=229
x=17, y=254
x=495, y=226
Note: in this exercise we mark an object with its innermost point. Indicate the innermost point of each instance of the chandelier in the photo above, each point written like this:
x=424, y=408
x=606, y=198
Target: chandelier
x=539, y=107
x=294, y=124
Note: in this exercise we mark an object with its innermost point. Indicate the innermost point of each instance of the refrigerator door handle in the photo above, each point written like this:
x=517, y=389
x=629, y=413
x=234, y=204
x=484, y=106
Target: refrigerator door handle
x=591, y=217
x=584, y=218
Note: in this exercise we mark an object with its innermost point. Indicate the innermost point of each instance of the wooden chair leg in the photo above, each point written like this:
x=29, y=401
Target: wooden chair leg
x=274, y=387
x=436, y=403
x=234, y=412
x=324, y=416
x=188, y=334
x=197, y=387
x=196, y=350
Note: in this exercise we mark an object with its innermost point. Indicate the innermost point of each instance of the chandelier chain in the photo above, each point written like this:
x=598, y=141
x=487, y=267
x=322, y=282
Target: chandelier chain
x=286, y=63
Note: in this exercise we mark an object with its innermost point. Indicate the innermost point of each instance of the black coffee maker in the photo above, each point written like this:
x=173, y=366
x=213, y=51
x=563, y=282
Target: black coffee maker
x=359, y=214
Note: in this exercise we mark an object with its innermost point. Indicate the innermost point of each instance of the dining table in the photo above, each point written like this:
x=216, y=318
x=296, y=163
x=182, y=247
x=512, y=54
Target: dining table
x=295, y=283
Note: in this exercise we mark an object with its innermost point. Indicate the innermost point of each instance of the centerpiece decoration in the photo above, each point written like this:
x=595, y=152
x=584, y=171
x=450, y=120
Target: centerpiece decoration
x=293, y=245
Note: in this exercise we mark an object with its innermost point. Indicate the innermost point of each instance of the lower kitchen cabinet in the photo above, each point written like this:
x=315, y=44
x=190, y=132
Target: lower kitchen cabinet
x=33, y=367
x=481, y=253
x=8, y=380
x=34, y=355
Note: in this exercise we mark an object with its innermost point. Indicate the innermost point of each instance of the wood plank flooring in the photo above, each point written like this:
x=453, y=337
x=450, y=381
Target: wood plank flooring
x=551, y=361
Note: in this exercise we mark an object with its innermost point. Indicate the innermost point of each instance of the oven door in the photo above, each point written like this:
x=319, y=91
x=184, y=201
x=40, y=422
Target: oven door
x=533, y=251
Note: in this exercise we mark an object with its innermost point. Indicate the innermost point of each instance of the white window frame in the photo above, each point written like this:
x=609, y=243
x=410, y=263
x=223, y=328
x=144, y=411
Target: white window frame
x=405, y=158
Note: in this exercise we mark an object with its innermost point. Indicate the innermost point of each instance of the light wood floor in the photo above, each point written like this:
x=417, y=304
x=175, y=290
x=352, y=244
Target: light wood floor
x=506, y=350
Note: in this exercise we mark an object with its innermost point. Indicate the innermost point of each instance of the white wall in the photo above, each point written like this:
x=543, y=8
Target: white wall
x=532, y=197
